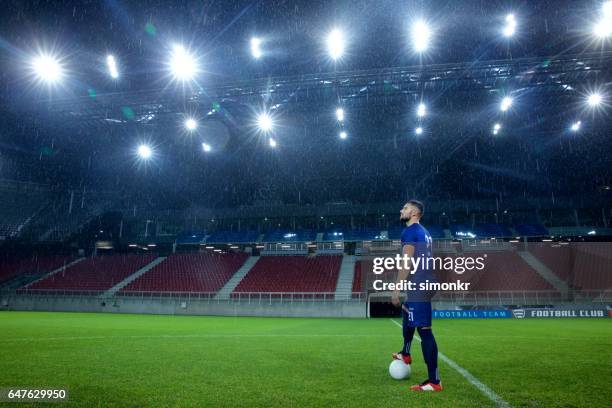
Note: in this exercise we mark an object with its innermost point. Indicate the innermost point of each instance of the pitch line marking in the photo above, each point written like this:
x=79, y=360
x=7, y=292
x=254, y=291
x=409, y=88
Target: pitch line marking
x=492, y=395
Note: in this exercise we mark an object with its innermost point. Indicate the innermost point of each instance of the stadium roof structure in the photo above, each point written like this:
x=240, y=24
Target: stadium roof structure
x=553, y=77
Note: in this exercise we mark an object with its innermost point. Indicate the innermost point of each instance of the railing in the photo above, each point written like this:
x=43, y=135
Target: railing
x=509, y=297
x=241, y=297
x=500, y=297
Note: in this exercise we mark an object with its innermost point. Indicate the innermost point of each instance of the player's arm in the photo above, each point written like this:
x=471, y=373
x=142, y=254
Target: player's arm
x=402, y=274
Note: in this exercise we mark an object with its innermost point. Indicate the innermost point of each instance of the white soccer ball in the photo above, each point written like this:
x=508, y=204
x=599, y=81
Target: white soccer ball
x=399, y=370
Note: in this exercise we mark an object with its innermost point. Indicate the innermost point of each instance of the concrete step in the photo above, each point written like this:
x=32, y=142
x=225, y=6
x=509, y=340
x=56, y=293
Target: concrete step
x=60, y=269
x=111, y=292
x=344, y=287
x=235, y=280
x=544, y=272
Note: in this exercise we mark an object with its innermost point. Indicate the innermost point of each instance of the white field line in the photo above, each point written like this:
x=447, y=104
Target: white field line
x=492, y=395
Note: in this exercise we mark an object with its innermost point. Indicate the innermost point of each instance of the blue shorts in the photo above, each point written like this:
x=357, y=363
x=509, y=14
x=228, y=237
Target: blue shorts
x=416, y=314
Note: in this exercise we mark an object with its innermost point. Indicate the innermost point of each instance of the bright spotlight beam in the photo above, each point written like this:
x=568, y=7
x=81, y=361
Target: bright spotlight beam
x=594, y=99
x=191, y=124
x=256, y=48
x=111, y=63
x=421, y=110
x=421, y=34
x=343, y=135
x=272, y=142
x=419, y=131
x=496, y=128
x=340, y=114
x=576, y=126
x=506, y=103
x=144, y=152
x=183, y=65
x=206, y=147
x=335, y=44
x=47, y=68
x=510, y=27
x=264, y=122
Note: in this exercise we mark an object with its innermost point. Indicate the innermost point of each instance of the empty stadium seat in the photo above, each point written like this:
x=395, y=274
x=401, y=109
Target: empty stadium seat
x=192, y=272
x=93, y=274
x=12, y=267
x=292, y=274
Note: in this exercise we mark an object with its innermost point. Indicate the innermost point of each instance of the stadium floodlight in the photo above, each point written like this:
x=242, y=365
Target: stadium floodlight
x=256, y=48
x=419, y=131
x=335, y=44
x=272, y=142
x=496, y=128
x=206, y=147
x=594, y=99
x=144, y=152
x=421, y=34
x=576, y=126
x=47, y=68
x=510, y=27
x=183, y=65
x=340, y=114
x=191, y=124
x=111, y=63
x=603, y=29
x=343, y=135
x=421, y=110
x=506, y=103
x=264, y=121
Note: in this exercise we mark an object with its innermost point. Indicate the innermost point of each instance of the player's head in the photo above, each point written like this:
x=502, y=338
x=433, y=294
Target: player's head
x=413, y=209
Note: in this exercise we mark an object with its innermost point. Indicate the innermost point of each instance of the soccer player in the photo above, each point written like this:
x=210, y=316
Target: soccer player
x=416, y=310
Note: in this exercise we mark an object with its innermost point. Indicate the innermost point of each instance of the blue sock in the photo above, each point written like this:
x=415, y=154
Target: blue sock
x=408, y=333
x=430, y=354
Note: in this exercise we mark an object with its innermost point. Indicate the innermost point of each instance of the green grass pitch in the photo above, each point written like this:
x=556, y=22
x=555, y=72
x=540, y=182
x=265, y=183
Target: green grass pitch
x=148, y=360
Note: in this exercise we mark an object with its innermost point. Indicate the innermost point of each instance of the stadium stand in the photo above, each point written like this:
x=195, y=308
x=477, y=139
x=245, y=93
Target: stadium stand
x=232, y=237
x=37, y=265
x=556, y=257
x=333, y=235
x=290, y=236
x=592, y=266
x=93, y=274
x=492, y=231
x=292, y=274
x=531, y=230
x=436, y=231
x=193, y=272
x=503, y=271
x=191, y=237
x=17, y=210
x=362, y=234
x=462, y=231
x=357, y=279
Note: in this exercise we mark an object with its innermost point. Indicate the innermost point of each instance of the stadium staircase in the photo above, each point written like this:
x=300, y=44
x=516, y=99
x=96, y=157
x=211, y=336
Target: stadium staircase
x=53, y=272
x=231, y=284
x=344, y=287
x=545, y=272
x=112, y=291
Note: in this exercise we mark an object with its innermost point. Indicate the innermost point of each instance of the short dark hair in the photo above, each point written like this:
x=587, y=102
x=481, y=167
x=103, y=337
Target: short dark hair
x=418, y=205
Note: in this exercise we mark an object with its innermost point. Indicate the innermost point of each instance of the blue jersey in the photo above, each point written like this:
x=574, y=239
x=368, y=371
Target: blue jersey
x=417, y=236
x=417, y=308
